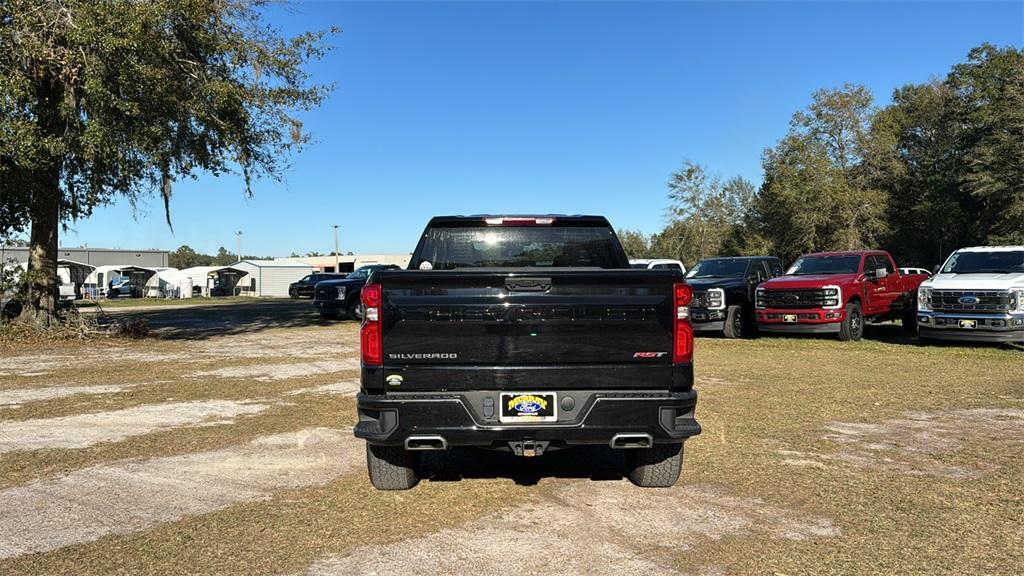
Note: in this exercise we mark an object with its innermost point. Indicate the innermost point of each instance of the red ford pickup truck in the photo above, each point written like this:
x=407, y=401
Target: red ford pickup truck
x=836, y=293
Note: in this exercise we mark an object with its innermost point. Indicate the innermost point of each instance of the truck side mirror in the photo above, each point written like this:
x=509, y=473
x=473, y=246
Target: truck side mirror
x=935, y=269
x=881, y=273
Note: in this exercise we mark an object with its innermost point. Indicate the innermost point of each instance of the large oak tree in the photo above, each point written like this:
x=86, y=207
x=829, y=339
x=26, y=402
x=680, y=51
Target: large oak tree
x=109, y=99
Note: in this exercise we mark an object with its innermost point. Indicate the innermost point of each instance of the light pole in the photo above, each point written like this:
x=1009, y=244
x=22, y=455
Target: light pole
x=238, y=244
x=336, y=256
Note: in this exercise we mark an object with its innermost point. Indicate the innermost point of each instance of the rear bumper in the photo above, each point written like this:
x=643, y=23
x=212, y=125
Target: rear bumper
x=987, y=327
x=463, y=419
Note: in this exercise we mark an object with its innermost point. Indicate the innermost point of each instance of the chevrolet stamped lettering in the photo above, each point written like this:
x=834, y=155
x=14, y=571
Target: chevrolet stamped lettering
x=432, y=356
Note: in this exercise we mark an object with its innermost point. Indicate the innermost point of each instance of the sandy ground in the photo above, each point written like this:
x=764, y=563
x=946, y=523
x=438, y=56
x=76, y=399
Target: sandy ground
x=345, y=388
x=265, y=372
x=20, y=396
x=127, y=496
x=919, y=444
x=87, y=429
x=584, y=527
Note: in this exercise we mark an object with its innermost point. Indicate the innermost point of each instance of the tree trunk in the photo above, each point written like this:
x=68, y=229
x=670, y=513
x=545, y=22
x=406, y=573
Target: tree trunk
x=41, y=303
x=42, y=293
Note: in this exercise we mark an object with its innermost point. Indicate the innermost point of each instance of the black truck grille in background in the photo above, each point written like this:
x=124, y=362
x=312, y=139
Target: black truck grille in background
x=326, y=293
x=972, y=301
x=808, y=298
x=700, y=299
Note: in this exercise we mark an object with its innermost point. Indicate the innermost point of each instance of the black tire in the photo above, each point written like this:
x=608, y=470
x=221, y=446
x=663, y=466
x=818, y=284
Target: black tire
x=656, y=467
x=355, y=309
x=330, y=314
x=391, y=467
x=909, y=318
x=735, y=322
x=11, y=310
x=852, y=327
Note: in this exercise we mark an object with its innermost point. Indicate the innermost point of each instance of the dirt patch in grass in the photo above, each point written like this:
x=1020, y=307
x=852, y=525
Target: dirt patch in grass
x=86, y=358
x=20, y=396
x=922, y=443
x=124, y=497
x=584, y=527
x=265, y=372
x=87, y=429
x=345, y=388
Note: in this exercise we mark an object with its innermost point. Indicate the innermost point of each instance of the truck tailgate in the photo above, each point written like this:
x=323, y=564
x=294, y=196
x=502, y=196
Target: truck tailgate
x=553, y=329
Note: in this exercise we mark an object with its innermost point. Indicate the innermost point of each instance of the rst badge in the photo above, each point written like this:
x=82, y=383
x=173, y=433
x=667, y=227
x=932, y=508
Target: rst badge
x=646, y=355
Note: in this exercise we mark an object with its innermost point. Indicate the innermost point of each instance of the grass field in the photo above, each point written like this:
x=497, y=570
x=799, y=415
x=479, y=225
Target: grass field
x=223, y=445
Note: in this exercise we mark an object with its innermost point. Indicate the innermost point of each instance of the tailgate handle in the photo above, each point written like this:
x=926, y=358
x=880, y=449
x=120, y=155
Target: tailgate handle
x=528, y=284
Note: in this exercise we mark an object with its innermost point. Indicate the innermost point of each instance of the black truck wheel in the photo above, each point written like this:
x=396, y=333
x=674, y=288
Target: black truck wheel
x=852, y=327
x=735, y=322
x=391, y=467
x=656, y=467
x=355, y=309
x=909, y=319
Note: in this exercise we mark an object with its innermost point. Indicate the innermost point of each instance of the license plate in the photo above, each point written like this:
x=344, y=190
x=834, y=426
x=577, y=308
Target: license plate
x=969, y=324
x=529, y=407
x=790, y=318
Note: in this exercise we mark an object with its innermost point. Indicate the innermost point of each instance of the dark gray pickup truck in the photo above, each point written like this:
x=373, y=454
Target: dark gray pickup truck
x=527, y=334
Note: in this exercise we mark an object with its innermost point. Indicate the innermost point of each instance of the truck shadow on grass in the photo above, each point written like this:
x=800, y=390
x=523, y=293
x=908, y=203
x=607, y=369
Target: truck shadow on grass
x=456, y=464
x=203, y=322
x=893, y=333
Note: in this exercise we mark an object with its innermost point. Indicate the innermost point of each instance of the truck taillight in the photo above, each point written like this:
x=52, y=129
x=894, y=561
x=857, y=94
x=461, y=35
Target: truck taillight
x=370, y=334
x=682, y=347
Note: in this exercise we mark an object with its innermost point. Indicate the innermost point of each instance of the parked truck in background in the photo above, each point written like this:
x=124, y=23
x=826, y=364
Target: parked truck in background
x=657, y=264
x=837, y=293
x=977, y=294
x=723, y=292
x=337, y=297
x=526, y=334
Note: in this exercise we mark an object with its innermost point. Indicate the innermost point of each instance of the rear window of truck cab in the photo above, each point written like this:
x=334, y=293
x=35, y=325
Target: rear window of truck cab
x=514, y=246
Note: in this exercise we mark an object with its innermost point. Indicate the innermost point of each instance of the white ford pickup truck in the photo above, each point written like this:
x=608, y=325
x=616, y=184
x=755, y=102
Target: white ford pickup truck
x=977, y=294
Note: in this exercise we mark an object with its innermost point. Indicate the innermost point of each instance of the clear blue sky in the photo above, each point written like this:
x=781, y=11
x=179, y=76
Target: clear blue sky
x=462, y=107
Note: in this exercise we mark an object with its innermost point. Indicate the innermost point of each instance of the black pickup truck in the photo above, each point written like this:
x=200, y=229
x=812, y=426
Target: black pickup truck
x=526, y=334
x=340, y=296
x=724, y=290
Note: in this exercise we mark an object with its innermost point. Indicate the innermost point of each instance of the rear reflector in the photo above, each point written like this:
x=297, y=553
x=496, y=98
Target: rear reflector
x=682, y=347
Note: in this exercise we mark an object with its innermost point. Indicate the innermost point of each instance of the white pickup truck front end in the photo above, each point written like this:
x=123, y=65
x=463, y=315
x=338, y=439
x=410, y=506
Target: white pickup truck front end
x=978, y=295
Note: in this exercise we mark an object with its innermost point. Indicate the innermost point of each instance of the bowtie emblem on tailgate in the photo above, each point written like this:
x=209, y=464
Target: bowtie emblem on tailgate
x=528, y=284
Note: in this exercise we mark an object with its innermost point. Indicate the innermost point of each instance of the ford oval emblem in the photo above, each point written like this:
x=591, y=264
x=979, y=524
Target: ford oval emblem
x=968, y=300
x=528, y=407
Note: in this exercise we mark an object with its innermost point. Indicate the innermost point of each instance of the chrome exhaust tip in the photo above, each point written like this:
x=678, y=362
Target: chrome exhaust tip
x=426, y=443
x=629, y=441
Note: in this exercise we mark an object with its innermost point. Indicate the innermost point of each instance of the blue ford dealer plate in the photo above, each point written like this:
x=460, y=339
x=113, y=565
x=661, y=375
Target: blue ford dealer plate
x=528, y=407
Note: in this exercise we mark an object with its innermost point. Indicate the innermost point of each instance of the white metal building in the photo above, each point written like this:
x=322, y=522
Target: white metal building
x=350, y=262
x=270, y=277
x=206, y=278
